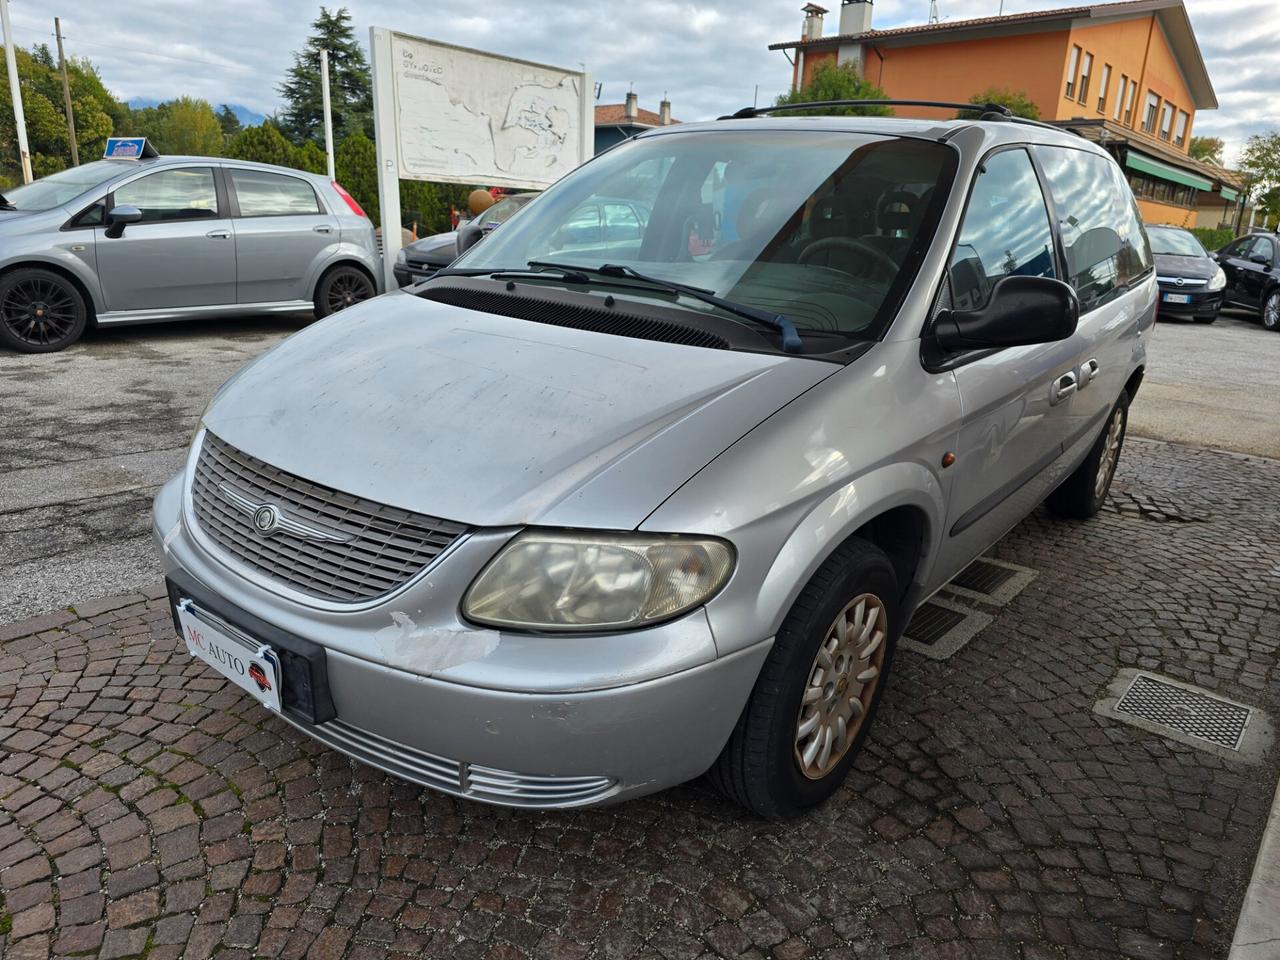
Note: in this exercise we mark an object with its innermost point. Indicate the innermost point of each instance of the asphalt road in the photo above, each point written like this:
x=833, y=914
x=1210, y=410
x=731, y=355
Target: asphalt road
x=87, y=435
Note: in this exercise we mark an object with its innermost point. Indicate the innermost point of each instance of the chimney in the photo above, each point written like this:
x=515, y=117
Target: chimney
x=812, y=27
x=855, y=17
x=664, y=112
x=632, y=109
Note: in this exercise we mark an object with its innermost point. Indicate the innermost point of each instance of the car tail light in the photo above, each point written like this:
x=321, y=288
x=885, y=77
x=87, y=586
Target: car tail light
x=351, y=201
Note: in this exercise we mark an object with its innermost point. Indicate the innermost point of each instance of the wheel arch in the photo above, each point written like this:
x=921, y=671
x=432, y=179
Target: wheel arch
x=344, y=260
x=91, y=305
x=1134, y=382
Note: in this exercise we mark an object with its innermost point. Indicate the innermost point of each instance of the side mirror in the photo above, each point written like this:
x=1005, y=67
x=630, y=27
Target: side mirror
x=1022, y=310
x=1260, y=258
x=118, y=217
x=469, y=234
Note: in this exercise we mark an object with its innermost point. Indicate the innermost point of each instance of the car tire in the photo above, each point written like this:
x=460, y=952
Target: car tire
x=770, y=764
x=40, y=311
x=1271, y=310
x=1083, y=493
x=341, y=287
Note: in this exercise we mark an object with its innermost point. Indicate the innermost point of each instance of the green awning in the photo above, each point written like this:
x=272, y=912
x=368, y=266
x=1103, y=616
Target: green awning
x=1229, y=195
x=1165, y=171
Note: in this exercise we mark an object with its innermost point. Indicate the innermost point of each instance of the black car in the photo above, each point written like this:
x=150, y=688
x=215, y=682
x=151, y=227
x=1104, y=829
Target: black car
x=1191, y=282
x=423, y=258
x=1252, y=279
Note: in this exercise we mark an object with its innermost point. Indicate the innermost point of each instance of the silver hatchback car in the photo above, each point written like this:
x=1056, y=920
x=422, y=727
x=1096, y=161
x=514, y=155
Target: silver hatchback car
x=557, y=528
x=172, y=238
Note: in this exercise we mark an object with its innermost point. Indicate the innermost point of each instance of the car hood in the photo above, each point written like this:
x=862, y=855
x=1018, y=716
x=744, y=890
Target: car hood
x=493, y=421
x=1195, y=268
x=440, y=248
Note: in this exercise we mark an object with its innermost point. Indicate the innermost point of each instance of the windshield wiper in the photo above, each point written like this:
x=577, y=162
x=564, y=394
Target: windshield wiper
x=5, y=204
x=791, y=341
x=567, y=274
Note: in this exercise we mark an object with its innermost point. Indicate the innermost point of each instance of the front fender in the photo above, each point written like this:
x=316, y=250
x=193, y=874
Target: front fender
x=61, y=259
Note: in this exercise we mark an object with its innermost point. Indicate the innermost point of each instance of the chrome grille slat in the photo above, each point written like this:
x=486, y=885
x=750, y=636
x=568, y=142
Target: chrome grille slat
x=387, y=545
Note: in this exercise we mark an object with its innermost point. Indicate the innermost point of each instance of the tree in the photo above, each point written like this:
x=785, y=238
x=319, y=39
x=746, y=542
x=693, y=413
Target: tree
x=1016, y=100
x=263, y=143
x=349, y=80
x=229, y=122
x=1207, y=148
x=187, y=126
x=841, y=82
x=309, y=157
x=1261, y=160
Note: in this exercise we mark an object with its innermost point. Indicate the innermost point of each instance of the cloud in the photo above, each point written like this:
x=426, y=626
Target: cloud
x=708, y=59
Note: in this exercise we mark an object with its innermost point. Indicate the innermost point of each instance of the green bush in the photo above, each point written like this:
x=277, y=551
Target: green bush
x=1214, y=238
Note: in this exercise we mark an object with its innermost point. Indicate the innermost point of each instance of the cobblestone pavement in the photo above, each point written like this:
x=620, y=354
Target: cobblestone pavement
x=148, y=809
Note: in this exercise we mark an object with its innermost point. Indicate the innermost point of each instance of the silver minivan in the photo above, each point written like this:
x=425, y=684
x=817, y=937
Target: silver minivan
x=557, y=528
x=174, y=238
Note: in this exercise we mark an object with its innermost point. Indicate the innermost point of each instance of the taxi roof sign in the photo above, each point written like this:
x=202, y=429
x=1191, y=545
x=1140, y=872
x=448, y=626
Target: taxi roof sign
x=128, y=148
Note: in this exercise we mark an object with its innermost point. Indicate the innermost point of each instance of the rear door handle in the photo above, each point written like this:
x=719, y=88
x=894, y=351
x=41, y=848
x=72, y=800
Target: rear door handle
x=219, y=234
x=322, y=228
x=1088, y=372
x=1062, y=388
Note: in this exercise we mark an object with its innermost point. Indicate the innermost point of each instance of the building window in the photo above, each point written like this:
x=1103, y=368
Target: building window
x=1149, y=118
x=1121, y=93
x=1104, y=88
x=1162, y=191
x=1180, y=131
x=1128, y=103
x=1085, y=70
x=1166, y=121
x=1072, y=67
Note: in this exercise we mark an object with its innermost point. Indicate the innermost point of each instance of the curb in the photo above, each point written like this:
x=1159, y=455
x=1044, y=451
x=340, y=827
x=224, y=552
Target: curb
x=1258, y=929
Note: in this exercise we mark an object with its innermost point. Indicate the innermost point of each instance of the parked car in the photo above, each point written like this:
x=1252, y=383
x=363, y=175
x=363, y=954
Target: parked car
x=421, y=259
x=175, y=238
x=584, y=526
x=1252, y=281
x=1191, y=282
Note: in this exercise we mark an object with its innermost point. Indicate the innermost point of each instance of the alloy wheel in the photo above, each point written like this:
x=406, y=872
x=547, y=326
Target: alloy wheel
x=1110, y=453
x=842, y=682
x=346, y=289
x=38, y=311
x=1271, y=312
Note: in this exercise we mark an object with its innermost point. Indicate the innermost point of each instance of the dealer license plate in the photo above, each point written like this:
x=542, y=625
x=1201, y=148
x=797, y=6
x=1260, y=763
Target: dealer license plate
x=1177, y=298
x=250, y=665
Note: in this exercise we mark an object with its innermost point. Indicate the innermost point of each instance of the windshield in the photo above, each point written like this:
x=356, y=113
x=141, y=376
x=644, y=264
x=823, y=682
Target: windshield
x=825, y=227
x=502, y=211
x=1174, y=243
x=62, y=187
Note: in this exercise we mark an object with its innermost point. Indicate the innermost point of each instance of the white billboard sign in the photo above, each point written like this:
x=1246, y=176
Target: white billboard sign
x=456, y=115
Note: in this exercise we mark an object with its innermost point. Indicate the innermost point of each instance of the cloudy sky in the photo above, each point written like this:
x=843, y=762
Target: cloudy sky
x=709, y=57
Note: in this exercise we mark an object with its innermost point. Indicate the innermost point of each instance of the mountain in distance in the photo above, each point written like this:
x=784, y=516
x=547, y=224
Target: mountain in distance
x=247, y=117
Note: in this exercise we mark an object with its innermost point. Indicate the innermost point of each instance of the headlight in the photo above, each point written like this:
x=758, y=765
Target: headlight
x=402, y=256
x=549, y=580
x=1219, y=281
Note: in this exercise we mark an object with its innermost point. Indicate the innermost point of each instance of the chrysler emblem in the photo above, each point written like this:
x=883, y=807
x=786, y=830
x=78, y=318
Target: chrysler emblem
x=267, y=518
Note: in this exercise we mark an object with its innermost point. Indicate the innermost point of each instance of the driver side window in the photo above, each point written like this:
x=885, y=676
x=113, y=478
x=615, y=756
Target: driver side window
x=1005, y=231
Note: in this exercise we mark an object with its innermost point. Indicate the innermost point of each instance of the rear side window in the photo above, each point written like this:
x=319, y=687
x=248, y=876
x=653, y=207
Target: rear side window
x=1102, y=235
x=272, y=194
x=185, y=194
x=1005, y=232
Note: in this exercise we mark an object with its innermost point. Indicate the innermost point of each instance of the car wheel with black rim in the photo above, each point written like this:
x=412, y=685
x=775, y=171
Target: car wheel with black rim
x=1083, y=493
x=1271, y=310
x=40, y=311
x=342, y=287
x=817, y=694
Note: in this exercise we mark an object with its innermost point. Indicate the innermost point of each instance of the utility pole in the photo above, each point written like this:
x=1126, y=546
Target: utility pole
x=328, y=115
x=19, y=118
x=66, y=96
x=933, y=11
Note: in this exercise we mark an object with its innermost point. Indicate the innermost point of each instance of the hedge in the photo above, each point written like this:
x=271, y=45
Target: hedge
x=1214, y=238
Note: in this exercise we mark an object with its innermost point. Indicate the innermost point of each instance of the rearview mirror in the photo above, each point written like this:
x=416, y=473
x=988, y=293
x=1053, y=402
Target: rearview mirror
x=1260, y=258
x=469, y=234
x=1022, y=310
x=118, y=217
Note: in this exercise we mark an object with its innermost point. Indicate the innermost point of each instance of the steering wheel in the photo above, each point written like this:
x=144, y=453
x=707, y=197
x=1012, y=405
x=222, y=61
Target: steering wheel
x=882, y=261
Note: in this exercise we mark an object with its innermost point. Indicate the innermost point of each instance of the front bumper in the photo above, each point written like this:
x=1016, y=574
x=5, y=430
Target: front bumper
x=537, y=722
x=1199, y=303
x=410, y=273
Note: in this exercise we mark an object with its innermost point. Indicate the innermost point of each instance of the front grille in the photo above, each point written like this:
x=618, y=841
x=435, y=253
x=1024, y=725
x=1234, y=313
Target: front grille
x=459, y=778
x=367, y=549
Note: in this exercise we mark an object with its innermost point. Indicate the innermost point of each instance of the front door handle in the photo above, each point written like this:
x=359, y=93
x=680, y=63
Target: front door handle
x=322, y=228
x=218, y=234
x=1088, y=372
x=1062, y=388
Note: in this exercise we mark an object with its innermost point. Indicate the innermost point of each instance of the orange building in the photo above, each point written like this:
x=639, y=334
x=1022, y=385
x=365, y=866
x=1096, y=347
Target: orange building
x=1128, y=75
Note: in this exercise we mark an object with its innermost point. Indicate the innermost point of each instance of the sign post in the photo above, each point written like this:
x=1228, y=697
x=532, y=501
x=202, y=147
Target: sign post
x=328, y=113
x=15, y=91
x=451, y=114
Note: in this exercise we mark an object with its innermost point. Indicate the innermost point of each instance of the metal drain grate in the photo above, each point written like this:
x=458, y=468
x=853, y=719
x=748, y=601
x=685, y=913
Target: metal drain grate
x=931, y=623
x=983, y=577
x=1193, y=714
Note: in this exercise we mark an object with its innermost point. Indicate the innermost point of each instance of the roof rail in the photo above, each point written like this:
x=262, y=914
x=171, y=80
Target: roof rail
x=990, y=111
